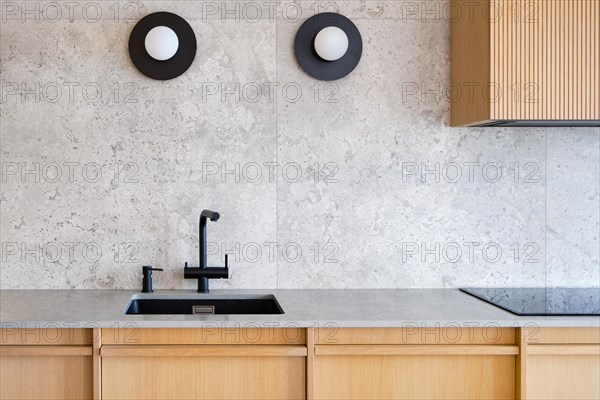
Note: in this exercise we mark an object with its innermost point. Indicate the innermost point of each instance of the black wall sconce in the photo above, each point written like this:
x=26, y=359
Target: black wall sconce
x=328, y=46
x=162, y=45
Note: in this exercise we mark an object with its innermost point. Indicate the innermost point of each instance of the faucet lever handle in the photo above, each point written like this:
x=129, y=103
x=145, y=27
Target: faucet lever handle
x=148, y=268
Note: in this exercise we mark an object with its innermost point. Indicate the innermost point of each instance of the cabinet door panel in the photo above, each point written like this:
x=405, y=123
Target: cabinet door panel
x=415, y=377
x=45, y=377
x=196, y=377
x=563, y=377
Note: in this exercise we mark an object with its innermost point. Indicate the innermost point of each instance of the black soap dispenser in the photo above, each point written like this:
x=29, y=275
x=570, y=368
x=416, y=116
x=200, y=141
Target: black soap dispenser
x=147, y=279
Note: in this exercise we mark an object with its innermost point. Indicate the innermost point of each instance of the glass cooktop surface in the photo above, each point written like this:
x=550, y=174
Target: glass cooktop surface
x=541, y=301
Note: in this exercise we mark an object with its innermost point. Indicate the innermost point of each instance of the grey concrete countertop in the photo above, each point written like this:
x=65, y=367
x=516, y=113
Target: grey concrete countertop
x=302, y=308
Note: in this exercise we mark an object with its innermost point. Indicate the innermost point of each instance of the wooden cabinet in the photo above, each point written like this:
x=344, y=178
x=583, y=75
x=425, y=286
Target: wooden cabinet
x=518, y=61
x=200, y=364
x=560, y=363
x=294, y=363
x=421, y=364
x=46, y=364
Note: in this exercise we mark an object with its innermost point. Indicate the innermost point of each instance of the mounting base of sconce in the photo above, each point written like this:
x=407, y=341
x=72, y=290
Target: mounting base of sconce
x=307, y=56
x=174, y=66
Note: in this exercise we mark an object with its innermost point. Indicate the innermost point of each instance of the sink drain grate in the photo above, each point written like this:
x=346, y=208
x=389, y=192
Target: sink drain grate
x=198, y=310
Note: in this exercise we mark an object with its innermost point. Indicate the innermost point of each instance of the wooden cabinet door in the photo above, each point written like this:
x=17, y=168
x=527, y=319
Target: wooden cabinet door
x=561, y=363
x=414, y=376
x=203, y=372
x=45, y=372
x=398, y=363
x=564, y=376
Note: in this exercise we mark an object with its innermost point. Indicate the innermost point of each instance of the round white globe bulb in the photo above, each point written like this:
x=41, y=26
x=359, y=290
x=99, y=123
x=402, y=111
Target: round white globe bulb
x=331, y=43
x=161, y=43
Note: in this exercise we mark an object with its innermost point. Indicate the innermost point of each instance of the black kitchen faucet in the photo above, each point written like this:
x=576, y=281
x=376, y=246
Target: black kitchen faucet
x=203, y=273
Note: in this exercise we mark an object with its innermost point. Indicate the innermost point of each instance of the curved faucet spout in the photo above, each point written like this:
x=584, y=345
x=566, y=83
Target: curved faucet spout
x=212, y=215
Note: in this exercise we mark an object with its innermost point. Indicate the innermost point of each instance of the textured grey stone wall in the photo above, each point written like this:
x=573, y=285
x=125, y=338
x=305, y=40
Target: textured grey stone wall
x=358, y=183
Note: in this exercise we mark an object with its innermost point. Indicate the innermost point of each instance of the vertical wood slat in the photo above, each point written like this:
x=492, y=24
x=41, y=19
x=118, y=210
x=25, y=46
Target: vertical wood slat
x=546, y=48
x=510, y=61
x=496, y=44
x=535, y=60
x=310, y=364
x=584, y=57
x=593, y=35
x=545, y=65
x=521, y=59
x=562, y=34
x=522, y=365
x=97, y=364
x=567, y=58
x=577, y=56
x=552, y=28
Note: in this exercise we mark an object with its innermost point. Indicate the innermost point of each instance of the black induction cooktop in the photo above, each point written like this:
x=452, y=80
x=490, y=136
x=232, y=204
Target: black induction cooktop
x=542, y=301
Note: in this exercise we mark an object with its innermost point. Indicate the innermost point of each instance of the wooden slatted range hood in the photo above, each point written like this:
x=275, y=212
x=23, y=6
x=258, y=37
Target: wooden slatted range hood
x=525, y=62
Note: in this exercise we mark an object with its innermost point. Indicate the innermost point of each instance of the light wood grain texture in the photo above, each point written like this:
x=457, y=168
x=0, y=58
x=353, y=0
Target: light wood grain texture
x=560, y=363
x=97, y=365
x=382, y=350
x=216, y=336
x=45, y=376
x=45, y=336
x=470, y=38
x=203, y=351
x=26, y=351
x=310, y=364
x=416, y=335
x=415, y=377
x=563, y=335
x=520, y=28
x=564, y=377
x=521, y=378
x=565, y=349
x=203, y=378
x=542, y=61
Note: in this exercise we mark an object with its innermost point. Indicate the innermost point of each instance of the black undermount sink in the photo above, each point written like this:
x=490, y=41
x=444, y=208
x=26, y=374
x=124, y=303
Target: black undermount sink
x=193, y=305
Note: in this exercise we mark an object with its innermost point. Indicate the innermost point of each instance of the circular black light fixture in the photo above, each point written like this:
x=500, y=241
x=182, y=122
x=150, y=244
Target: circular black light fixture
x=162, y=45
x=328, y=46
